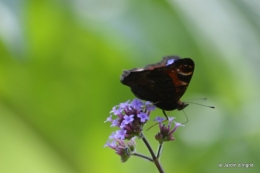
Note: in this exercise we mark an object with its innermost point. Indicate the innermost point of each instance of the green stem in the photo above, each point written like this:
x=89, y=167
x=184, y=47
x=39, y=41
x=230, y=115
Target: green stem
x=155, y=160
x=159, y=150
x=142, y=156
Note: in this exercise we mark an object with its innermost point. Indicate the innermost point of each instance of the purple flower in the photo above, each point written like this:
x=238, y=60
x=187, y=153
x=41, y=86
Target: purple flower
x=109, y=119
x=115, y=110
x=176, y=126
x=110, y=143
x=150, y=106
x=143, y=116
x=159, y=119
x=130, y=117
x=171, y=119
x=120, y=134
x=124, y=105
x=112, y=136
x=122, y=125
x=166, y=134
x=114, y=123
x=137, y=104
x=122, y=148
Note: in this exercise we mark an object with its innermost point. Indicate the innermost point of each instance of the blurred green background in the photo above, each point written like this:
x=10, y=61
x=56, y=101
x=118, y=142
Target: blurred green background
x=60, y=63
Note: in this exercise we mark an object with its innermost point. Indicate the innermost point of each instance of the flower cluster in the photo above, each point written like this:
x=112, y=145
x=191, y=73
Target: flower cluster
x=166, y=133
x=122, y=148
x=130, y=118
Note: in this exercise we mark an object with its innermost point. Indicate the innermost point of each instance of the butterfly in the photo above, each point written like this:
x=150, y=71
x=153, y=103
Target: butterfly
x=162, y=83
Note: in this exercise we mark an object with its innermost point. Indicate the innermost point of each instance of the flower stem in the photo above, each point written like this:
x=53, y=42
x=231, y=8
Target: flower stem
x=155, y=159
x=142, y=156
x=159, y=150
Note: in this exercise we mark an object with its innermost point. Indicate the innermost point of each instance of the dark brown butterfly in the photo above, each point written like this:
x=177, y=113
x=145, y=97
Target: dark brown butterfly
x=162, y=83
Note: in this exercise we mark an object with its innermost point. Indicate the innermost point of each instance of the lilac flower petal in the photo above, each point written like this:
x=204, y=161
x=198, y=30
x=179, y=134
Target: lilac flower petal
x=143, y=116
x=114, y=123
x=178, y=124
x=109, y=119
x=171, y=118
x=128, y=119
x=159, y=119
x=148, y=103
x=112, y=136
x=122, y=125
x=150, y=106
x=124, y=105
x=115, y=110
x=137, y=104
x=120, y=134
x=112, y=144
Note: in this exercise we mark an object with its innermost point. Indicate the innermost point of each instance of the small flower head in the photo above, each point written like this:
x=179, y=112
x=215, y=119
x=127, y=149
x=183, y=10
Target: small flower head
x=150, y=106
x=159, y=119
x=143, y=116
x=122, y=148
x=120, y=134
x=130, y=117
x=166, y=133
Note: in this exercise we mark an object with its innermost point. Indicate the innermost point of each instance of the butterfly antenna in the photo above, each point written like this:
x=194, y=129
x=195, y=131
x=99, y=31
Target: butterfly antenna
x=152, y=126
x=203, y=98
x=213, y=107
x=187, y=119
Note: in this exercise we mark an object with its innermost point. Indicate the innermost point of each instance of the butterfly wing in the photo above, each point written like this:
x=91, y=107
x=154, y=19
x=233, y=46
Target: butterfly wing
x=180, y=72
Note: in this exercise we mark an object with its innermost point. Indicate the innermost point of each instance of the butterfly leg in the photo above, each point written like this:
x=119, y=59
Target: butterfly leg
x=164, y=113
